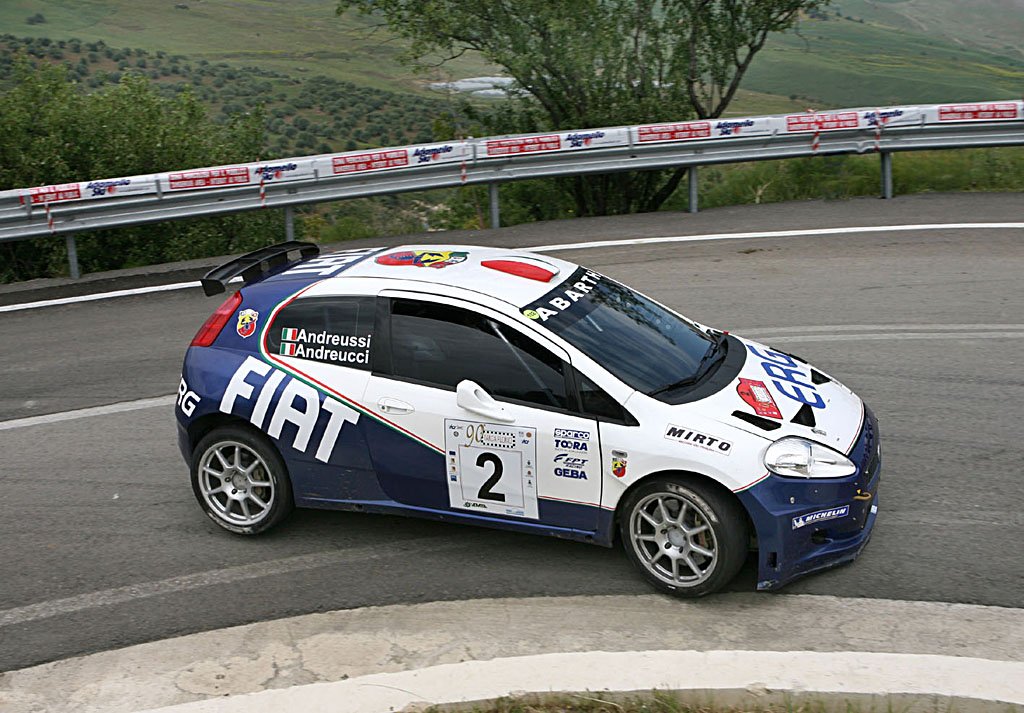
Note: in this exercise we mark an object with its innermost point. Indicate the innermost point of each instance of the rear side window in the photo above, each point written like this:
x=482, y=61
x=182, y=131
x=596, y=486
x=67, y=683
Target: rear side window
x=330, y=330
x=442, y=345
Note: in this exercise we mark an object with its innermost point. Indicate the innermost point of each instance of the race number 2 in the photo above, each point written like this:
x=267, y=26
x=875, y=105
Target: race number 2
x=492, y=468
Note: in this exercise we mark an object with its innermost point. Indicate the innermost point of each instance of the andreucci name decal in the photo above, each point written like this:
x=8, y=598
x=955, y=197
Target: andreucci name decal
x=820, y=516
x=698, y=439
x=325, y=346
x=564, y=296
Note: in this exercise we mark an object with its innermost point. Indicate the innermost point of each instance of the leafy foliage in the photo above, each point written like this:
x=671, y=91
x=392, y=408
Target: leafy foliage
x=54, y=134
x=591, y=63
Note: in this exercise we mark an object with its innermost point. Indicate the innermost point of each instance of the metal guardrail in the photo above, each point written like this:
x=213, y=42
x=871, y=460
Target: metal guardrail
x=72, y=208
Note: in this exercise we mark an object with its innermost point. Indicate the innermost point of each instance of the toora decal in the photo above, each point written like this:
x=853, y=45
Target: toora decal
x=423, y=258
x=246, y=326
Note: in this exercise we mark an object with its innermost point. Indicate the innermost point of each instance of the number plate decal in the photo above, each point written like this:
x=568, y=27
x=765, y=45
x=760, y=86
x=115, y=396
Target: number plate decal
x=492, y=468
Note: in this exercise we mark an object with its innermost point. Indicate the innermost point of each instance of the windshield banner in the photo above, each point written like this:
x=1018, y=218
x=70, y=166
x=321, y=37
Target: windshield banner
x=568, y=293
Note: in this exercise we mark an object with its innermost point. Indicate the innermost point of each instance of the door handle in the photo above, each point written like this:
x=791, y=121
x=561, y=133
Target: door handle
x=394, y=406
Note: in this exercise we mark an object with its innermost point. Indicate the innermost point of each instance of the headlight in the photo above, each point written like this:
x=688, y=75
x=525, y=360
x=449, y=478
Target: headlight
x=800, y=458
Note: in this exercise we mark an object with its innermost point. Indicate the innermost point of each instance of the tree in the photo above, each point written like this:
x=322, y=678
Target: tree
x=591, y=63
x=54, y=133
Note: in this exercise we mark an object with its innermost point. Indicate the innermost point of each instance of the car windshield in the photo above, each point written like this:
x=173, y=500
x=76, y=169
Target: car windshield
x=643, y=344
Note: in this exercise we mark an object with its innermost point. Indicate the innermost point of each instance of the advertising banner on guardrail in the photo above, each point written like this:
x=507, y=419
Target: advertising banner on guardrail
x=743, y=127
x=439, y=153
x=292, y=169
x=821, y=121
x=562, y=141
x=685, y=131
x=89, y=190
x=984, y=111
x=220, y=177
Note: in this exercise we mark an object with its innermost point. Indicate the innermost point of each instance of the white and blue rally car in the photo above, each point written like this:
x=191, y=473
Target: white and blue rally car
x=511, y=390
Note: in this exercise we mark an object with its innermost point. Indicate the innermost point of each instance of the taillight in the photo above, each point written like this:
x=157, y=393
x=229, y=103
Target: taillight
x=211, y=327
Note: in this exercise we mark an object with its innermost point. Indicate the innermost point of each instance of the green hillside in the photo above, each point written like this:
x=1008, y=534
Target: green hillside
x=866, y=52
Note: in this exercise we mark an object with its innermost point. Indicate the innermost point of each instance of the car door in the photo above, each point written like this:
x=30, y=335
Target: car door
x=484, y=417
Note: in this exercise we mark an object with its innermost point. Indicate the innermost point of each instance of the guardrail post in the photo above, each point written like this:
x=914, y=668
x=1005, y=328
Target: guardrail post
x=289, y=223
x=692, y=178
x=69, y=240
x=492, y=196
x=886, y=174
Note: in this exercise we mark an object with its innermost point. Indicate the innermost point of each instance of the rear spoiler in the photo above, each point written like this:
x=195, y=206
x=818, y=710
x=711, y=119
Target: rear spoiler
x=252, y=266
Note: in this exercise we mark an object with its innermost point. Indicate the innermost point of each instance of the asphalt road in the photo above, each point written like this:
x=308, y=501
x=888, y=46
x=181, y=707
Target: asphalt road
x=102, y=545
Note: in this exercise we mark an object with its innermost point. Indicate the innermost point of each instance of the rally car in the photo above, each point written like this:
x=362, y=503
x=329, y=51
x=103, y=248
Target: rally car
x=512, y=390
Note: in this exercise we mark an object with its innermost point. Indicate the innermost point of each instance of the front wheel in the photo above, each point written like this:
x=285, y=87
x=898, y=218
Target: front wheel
x=685, y=537
x=240, y=480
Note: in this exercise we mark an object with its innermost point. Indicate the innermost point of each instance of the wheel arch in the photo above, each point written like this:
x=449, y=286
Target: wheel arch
x=685, y=475
x=203, y=425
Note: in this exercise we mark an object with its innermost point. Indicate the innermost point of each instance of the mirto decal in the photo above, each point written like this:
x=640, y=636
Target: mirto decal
x=698, y=439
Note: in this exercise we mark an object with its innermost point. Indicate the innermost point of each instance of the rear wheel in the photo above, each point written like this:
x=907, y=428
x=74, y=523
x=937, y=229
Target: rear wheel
x=240, y=480
x=686, y=537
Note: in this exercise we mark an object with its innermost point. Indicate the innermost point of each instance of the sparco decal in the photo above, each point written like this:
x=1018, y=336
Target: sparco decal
x=696, y=438
x=299, y=404
x=564, y=296
x=820, y=516
x=788, y=378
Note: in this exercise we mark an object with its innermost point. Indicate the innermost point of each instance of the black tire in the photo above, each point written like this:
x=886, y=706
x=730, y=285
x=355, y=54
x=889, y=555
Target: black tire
x=249, y=503
x=712, y=522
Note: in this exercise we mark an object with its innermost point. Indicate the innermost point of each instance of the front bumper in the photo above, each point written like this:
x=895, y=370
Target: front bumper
x=804, y=526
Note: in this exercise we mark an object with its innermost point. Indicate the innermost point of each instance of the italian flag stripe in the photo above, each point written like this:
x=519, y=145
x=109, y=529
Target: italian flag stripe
x=289, y=334
x=288, y=349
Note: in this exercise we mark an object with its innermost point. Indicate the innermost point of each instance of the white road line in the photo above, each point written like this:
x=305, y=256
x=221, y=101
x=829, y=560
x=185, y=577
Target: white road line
x=832, y=328
x=790, y=339
x=778, y=335
x=228, y=575
x=777, y=234
x=88, y=412
x=582, y=246
x=97, y=296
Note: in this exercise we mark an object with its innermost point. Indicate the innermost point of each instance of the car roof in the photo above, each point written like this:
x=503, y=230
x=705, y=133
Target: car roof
x=518, y=277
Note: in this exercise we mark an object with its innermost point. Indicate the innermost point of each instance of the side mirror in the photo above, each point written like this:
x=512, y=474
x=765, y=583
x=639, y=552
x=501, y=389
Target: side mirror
x=472, y=397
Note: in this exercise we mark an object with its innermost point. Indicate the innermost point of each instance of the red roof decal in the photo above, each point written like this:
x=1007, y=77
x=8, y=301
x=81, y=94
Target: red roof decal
x=521, y=269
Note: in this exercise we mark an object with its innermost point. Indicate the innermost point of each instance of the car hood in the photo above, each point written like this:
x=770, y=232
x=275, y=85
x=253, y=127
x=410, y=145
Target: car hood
x=776, y=394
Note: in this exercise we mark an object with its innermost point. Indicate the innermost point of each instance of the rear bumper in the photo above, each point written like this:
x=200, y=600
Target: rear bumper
x=804, y=526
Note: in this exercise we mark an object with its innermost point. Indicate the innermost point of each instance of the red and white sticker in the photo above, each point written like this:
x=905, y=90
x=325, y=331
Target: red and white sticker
x=51, y=194
x=673, y=132
x=523, y=144
x=208, y=178
x=756, y=395
x=990, y=111
x=821, y=122
x=371, y=161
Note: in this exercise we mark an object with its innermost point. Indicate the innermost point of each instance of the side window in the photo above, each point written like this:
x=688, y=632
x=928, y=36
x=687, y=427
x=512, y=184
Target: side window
x=442, y=345
x=596, y=403
x=331, y=330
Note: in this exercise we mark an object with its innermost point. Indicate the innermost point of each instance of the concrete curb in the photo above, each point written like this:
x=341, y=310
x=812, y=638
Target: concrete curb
x=722, y=676
x=216, y=667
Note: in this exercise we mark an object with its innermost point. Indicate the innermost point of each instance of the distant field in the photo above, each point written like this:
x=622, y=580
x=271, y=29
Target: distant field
x=845, y=62
x=892, y=51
